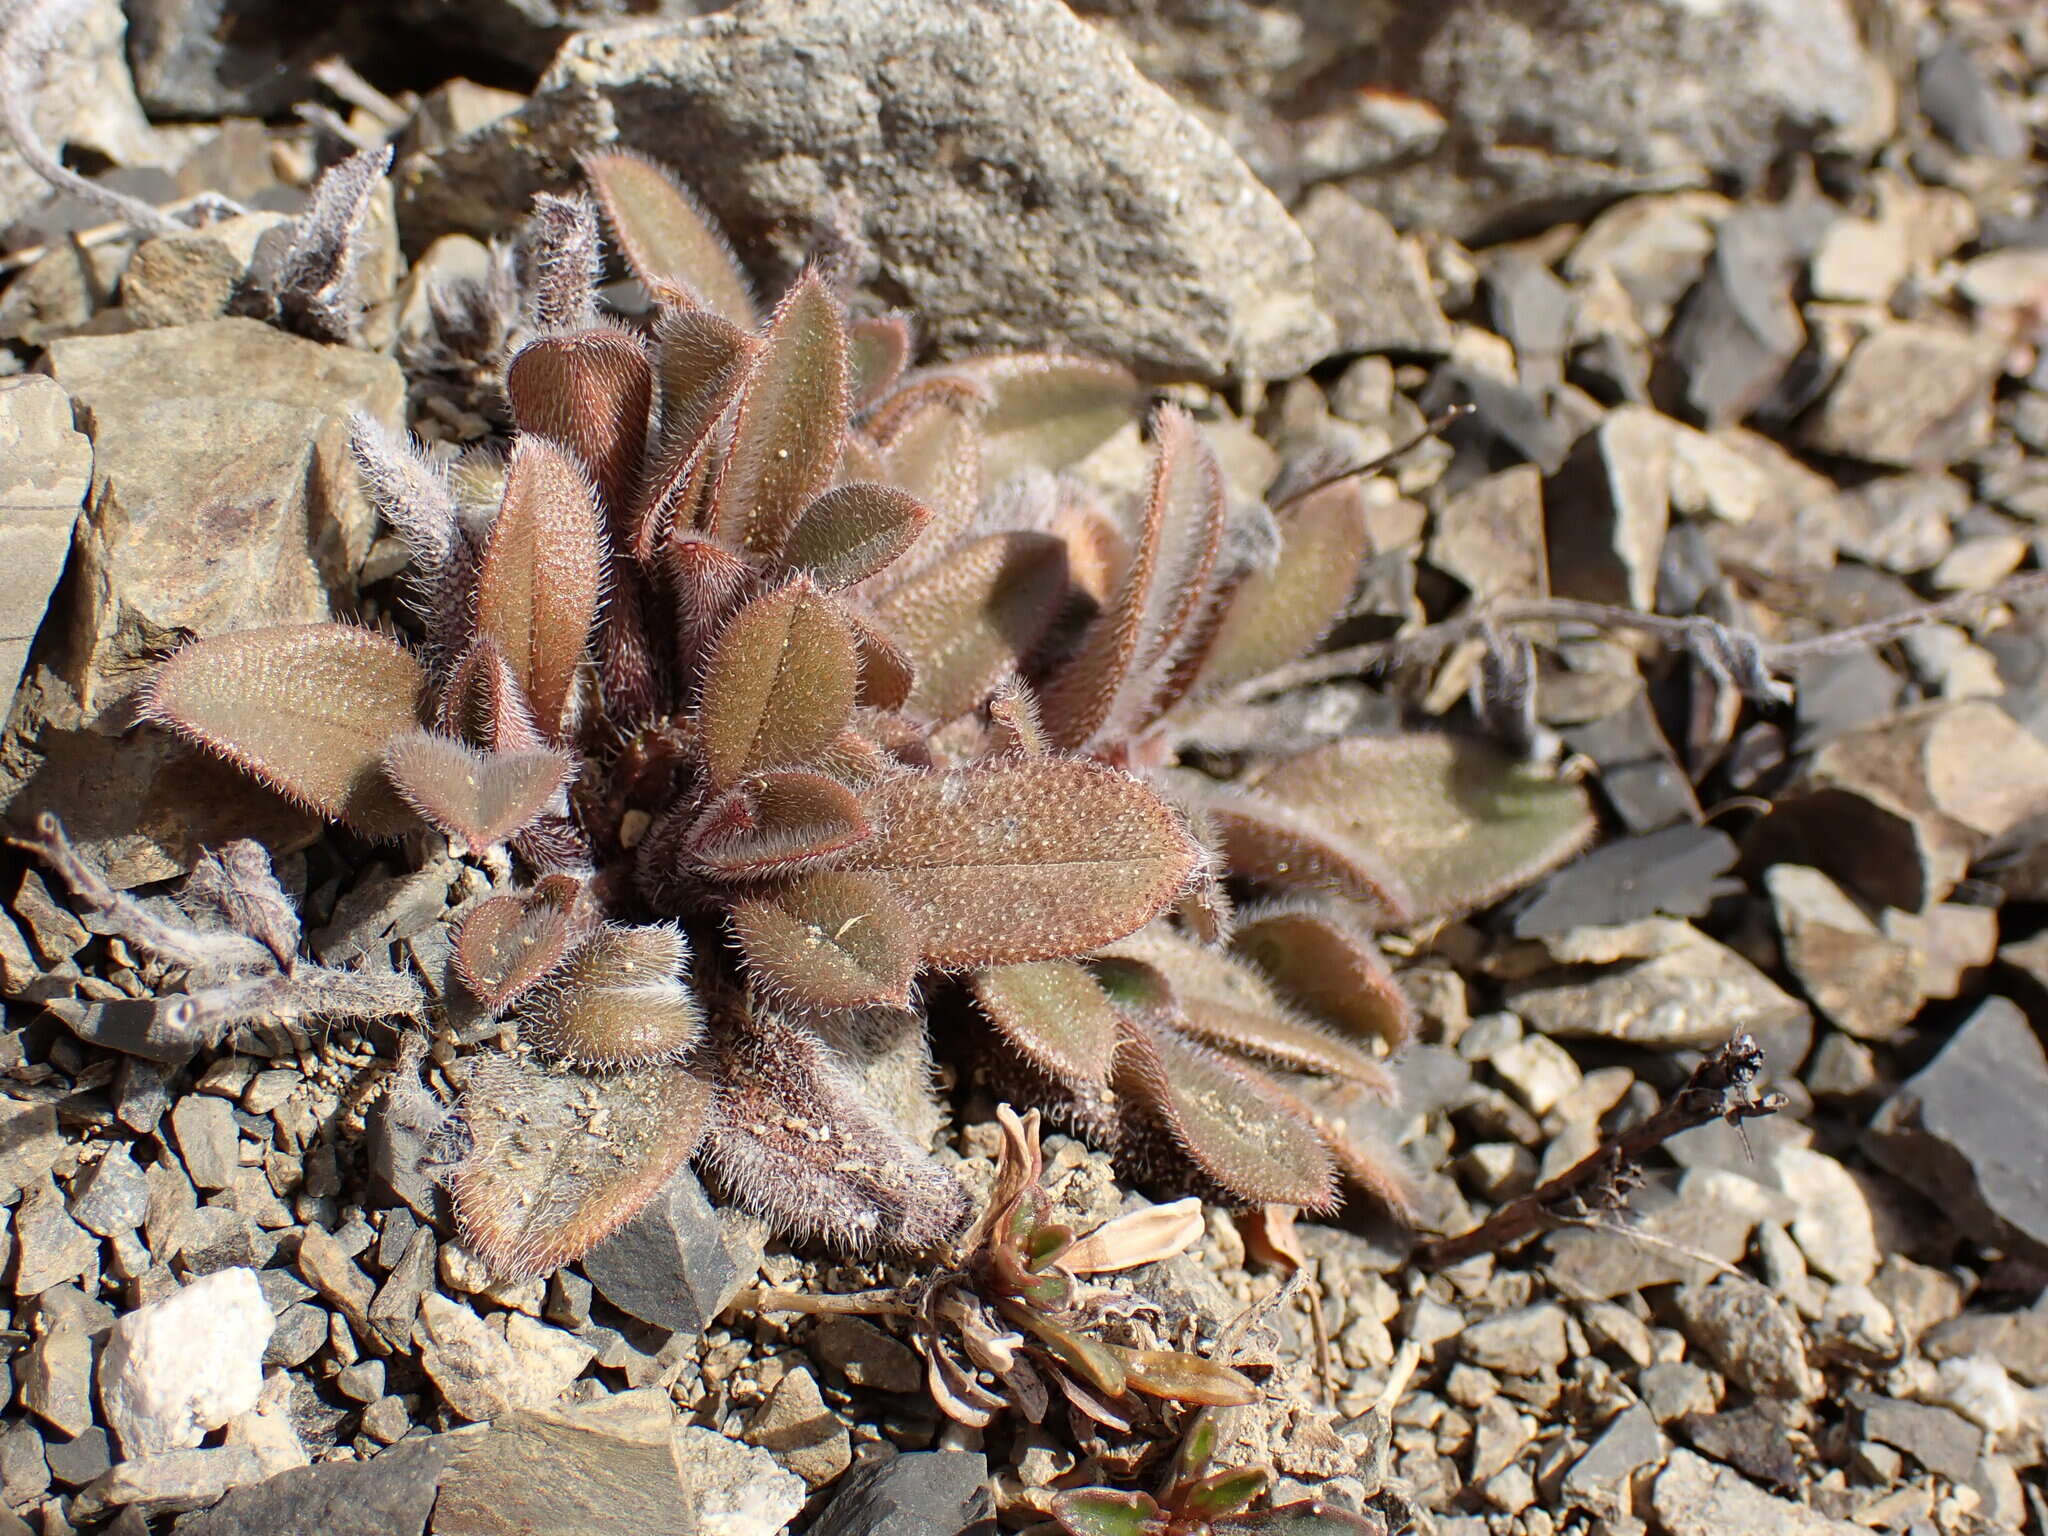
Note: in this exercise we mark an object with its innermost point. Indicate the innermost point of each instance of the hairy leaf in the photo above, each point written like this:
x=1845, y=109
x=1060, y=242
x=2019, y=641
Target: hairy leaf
x=618, y=1000
x=972, y=619
x=562, y=256
x=1270, y=837
x=1248, y=1136
x=538, y=590
x=1013, y=727
x=1104, y=1512
x=767, y=824
x=829, y=940
x=853, y=531
x=879, y=349
x=1055, y=1014
x=1221, y=1001
x=1459, y=821
x=933, y=451
x=1326, y=966
x=1114, y=680
x=779, y=686
x=791, y=421
x=509, y=942
x=558, y=1159
x=794, y=1140
x=484, y=705
x=480, y=797
x=667, y=238
x=1277, y=614
x=700, y=362
x=886, y=673
x=589, y=391
x=707, y=584
x=1049, y=411
x=1024, y=859
x=315, y=281
x=308, y=709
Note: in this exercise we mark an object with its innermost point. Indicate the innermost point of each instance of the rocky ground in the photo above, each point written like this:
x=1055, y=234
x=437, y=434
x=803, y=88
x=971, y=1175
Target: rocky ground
x=1750, y=303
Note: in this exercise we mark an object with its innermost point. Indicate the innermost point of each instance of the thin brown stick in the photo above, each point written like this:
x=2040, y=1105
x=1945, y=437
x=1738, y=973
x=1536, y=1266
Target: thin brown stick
x=768, y=1298
x=1722, y=1087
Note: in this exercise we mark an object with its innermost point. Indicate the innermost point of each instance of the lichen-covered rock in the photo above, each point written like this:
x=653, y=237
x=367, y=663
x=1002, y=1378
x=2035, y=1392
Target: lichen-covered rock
x=1017, y=181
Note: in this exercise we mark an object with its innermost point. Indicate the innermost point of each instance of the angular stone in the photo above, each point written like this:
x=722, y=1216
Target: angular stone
x=1753, y=1338
x=483, y=1374
x=1517, y=1343
x=1912, y=395
x=76, y=1462
x=49, y=1247
x=673, y=1264
x=1945, y=1443
x=1967, y=1129
x=331, y=1272
x=800, y=1431
x=45, y=472
x=111, y=1195
x=1608, y=509
x=191, y=276
x=223, y=492
x=1677, y=990
x=56, y=1374
x=209, y=1141
x=1739, y=330
x=388, y=1495
x=1373, y=283
x=1674, y=872
x=397, y=1302
x=1696, y=1497
x=1834, y=1227
x=29, y=1144
x=1866, y=984
x=937, y=129
x=172, y=1481
x=1628, y=1448
x=1751, y=1439
x=1490, y=536
x=301, y=1330
x=2016, y=1340
x=187, y=1364
x=924, y=1493
x=1901, y=523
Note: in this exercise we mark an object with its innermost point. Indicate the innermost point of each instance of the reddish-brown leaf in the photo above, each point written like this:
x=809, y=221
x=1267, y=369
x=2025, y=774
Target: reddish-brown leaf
x=700, y=362
x=853, y=531
x=618, y=1000
x=779, y=686
x=795, y=1139
x=1054, y=1013
x=508, y=943
x=1251, y=1138
x=1329, y=967
x=769, y=823
x=879, y=349
x=1023, y=859
x=886, y=673
x=933, y=451
x=829, y=940
x=1282, y=612
x=707, y=583
x=1459, y=821
x=667, y=238
x=792, y=420
x=1049, y=411
x=537, y=593
x=484, y=705
x=308, y=709
x=1013, y=727
x=558, y=1159
x=481, y=797
x=1111, y=685
x=589, y=391
x=975, y=617
x=1268, y=838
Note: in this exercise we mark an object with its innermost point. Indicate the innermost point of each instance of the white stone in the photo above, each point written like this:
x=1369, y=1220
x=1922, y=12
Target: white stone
x=1834, y=1227
x=185, y=1365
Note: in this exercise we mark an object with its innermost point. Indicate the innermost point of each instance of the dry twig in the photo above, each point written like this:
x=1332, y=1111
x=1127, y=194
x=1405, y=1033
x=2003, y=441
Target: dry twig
x=1722, y=1087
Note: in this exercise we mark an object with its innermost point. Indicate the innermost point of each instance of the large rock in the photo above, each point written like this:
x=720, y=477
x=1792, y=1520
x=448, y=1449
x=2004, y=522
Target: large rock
x=187, y=1364
x=223, y=493
x=80, y=98
x=388, y=1495
x=1018, y=181
x=45, y=471
x=1968, y=1130
x=1502, y=113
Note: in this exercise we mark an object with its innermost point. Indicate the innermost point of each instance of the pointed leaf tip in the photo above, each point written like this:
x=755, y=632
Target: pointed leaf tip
x=308, y=709
x=666, y=235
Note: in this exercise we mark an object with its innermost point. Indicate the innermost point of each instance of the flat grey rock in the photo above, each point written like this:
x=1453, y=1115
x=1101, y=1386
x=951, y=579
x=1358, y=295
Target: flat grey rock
x=389, y=1495
x=45, y=471
x=924, y=1493
x=672, y=1264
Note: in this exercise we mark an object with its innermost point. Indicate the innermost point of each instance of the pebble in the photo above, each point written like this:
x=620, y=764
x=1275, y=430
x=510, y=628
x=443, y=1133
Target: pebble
x=301, y=1330
x=208, y=1140
x=803, y=1434
x=1750, y=1336
x=49, y=1247
x=1834, y=1227
x=1517, y=1343
x=673, y=1264
x=923, y=1493
x=55, y=1375
x=387, y=1495
x=330, y=1271
x=29, y=1143
x=111, y=1195
x=173, y=1480
x=1695, y=1497
x=866, y=1356
x=179, y=1367
x=483, y=1374
x=1945, y=1443
x=1599, y=1481
x=76, y=1462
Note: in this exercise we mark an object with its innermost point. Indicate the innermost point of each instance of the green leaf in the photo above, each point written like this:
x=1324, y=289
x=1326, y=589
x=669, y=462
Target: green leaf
x=1104, y=1512
x=617, y=1001
x=1459, y=821
x=481, y=797
x=1056, y=1015
x=1024, y=859
x=829, y=940
x=779, y=687
x=559, y=1159
x=542, y=572
x=509, y=942
x=975, y=617
x=308, y=709
x=1226, y=1492
x=1046, y=1244
x=667, y=237
x=1197, y=1448
x=853, y=531
x=791, y=422
x=1098, y=1364
x=1183, y=1378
